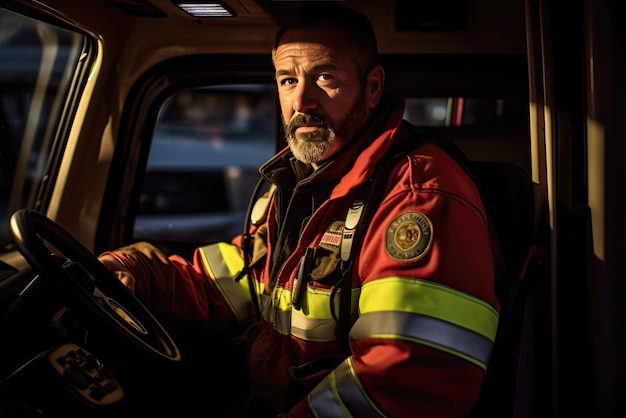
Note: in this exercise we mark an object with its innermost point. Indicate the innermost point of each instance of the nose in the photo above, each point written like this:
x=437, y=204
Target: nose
x=305, y=98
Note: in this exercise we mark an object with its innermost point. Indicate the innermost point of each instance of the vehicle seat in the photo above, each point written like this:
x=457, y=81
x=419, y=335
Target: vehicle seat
x=508, y=197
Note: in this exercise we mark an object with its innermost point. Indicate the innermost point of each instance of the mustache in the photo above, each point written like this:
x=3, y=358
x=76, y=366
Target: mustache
x=304, y=119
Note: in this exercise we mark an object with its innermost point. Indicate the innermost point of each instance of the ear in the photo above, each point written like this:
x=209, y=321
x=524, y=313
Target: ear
x=374, y=85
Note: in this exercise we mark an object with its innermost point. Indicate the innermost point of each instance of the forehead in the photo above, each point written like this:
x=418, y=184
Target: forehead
x=328, y=44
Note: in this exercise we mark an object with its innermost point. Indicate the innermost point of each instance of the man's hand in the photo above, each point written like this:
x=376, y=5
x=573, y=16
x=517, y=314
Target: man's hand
x=119, y=270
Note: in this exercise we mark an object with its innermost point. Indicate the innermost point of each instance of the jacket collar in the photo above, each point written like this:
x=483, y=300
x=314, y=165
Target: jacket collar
x=356, y=162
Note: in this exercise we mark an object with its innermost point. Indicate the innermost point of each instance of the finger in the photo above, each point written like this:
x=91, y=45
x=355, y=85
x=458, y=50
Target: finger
x=127, y=280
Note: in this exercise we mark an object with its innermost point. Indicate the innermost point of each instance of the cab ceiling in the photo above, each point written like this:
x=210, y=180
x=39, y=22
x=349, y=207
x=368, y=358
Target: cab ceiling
x=402, y=26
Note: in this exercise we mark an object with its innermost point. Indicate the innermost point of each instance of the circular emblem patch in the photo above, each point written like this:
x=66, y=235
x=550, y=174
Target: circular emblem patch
x=409, y=236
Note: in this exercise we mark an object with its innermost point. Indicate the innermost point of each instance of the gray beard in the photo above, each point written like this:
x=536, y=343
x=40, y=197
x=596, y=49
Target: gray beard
x=322, y=144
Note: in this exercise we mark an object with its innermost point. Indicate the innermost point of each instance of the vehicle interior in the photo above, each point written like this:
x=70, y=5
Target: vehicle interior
x=146, y=120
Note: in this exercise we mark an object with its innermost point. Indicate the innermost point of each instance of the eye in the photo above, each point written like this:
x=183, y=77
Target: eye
x=325, y=77
x=288, y=81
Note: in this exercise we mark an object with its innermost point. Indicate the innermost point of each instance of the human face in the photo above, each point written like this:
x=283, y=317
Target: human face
x=324, y=103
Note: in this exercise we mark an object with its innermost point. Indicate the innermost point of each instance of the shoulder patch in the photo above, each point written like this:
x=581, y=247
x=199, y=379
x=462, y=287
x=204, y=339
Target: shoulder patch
x=409, y=237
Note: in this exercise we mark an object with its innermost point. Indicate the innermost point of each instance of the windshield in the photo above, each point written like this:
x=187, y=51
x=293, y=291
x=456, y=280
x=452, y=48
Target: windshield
x=37, y=64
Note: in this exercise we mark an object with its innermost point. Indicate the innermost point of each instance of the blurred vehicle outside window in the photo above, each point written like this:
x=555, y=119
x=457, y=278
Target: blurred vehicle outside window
x=460, y=111
x=203, y=165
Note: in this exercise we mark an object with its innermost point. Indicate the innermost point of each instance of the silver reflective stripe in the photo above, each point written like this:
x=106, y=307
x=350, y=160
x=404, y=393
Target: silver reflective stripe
x=222, y=274
x=324, y=404
x=313, y=322
x=287, y=321
x=312, y=329
x=426, y=330
x=427, y=313
x=266, y=307
x=341, y=395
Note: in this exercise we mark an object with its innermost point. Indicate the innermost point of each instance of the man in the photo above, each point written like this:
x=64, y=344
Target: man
x=366, y=284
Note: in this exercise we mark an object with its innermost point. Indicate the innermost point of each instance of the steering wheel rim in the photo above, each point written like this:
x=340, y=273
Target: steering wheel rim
x=110, y=303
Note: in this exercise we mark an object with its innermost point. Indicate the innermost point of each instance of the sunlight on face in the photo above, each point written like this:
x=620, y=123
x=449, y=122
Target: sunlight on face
x=320, y=92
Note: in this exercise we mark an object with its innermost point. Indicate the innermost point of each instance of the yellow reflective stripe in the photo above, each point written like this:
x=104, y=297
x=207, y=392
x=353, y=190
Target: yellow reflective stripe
x=430, y=314
x=280, y=311
x=316, y=303
x=314, y=321
x=223, y=262
x=341, y=394
x=430, y=299
x=282, y=298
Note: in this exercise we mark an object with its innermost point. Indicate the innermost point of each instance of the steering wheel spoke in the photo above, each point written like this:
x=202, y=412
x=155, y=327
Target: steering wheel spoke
x=89, y=285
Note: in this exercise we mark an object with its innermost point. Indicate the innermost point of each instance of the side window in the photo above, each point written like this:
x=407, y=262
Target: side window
x=209, y=143
x=203, y=165
x=38, y=62
x=460, y=111
x=485, y=129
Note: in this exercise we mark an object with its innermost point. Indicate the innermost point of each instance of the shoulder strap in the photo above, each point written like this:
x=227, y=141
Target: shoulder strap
x=365, y=201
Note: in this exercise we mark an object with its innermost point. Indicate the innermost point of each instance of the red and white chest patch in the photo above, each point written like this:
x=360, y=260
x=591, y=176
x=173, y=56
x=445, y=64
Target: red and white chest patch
x=332, y=237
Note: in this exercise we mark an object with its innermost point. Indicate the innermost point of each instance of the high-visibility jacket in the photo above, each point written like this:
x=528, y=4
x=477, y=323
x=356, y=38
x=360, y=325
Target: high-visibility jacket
x=423, y=305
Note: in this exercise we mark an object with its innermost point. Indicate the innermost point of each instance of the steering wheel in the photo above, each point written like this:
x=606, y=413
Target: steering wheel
x=89, y=284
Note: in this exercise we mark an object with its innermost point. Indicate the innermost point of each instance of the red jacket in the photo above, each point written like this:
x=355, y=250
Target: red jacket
x=424, y=309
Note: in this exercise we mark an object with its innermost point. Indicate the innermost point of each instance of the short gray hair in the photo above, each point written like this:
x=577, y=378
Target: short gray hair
x=355, y=25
